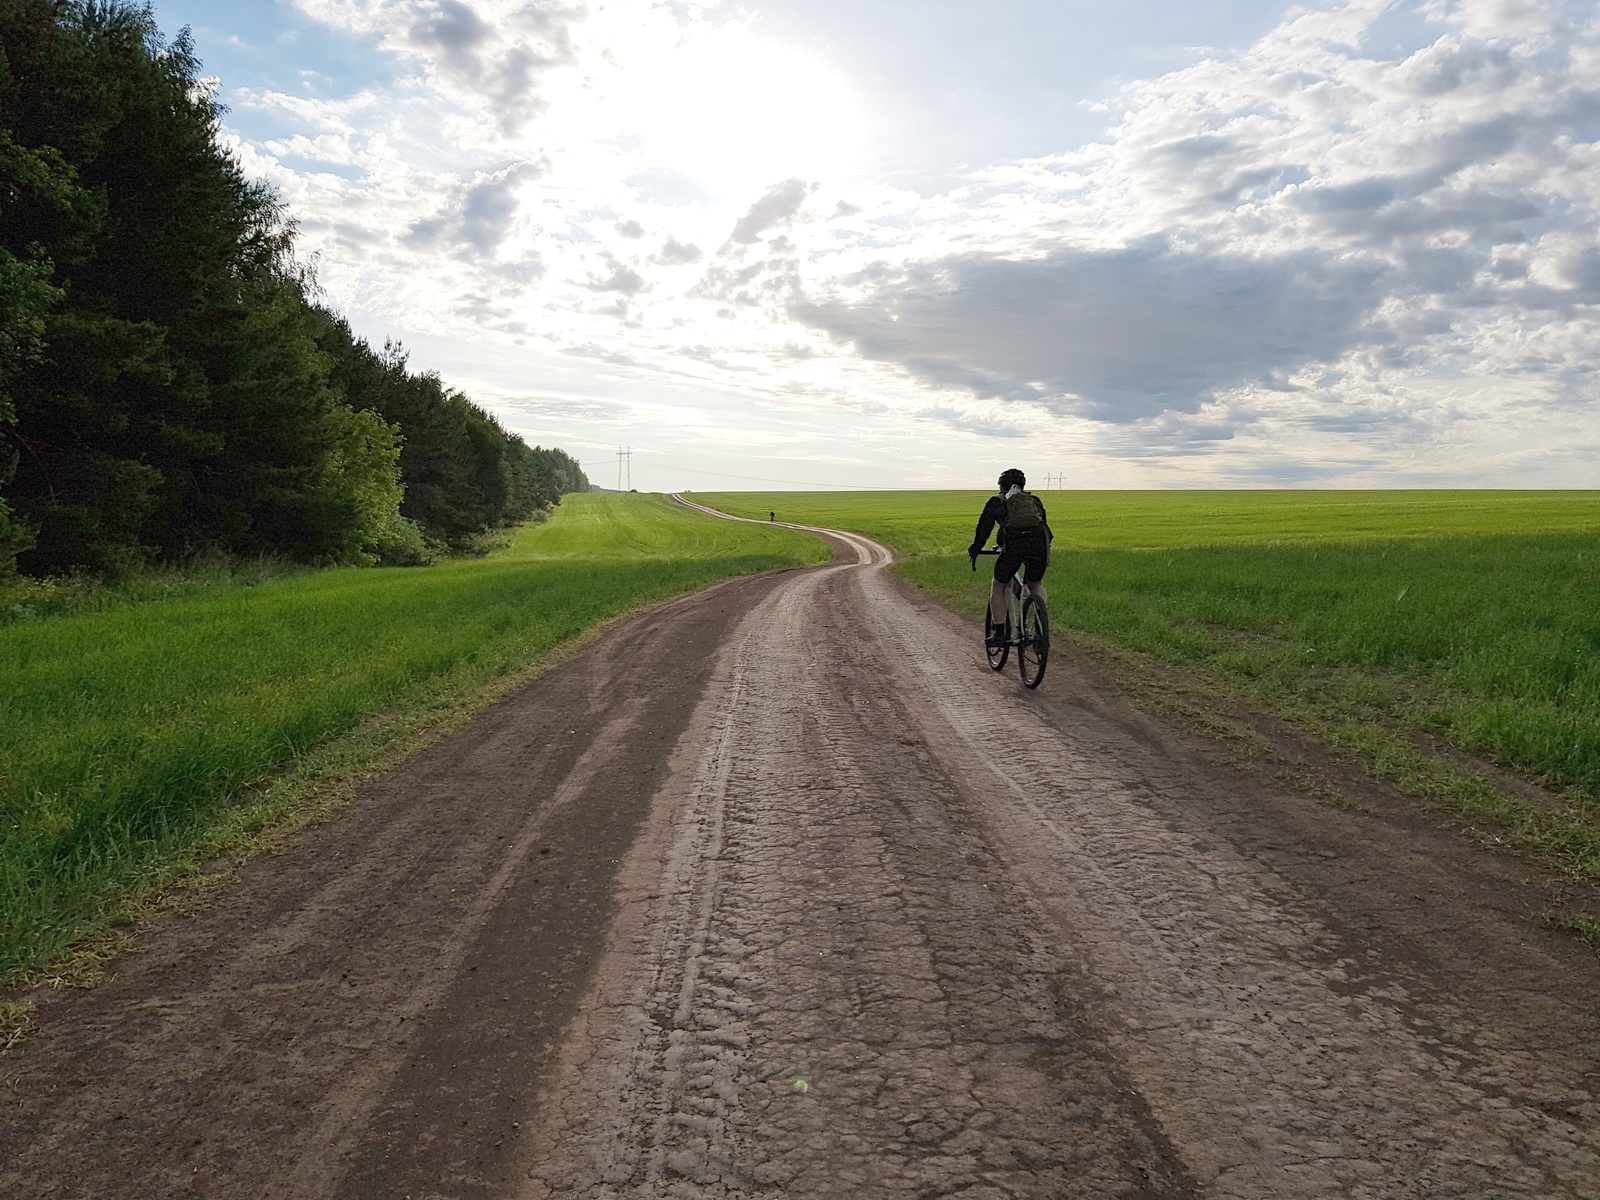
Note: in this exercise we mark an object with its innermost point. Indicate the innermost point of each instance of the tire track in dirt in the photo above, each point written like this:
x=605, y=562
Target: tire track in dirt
x=368, y=1011
x=879, y=833
x=1276, y=1057
x=822, y=918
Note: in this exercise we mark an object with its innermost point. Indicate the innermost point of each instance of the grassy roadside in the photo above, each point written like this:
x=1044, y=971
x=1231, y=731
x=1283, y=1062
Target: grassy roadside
x=138, y=741
x=1377, y=621
x=24, y=600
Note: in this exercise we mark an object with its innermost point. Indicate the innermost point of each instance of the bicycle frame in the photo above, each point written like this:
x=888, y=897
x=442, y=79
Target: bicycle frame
x=1027, y=628
x=1016, y=589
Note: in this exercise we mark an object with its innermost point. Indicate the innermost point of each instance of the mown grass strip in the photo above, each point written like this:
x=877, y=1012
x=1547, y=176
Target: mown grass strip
x=134, y=738
x=1366, y=618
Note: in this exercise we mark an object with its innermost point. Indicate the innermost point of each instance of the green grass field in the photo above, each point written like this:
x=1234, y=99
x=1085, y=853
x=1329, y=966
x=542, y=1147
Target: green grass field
x=916, y=523
x=130, y=738
x=1471, y=615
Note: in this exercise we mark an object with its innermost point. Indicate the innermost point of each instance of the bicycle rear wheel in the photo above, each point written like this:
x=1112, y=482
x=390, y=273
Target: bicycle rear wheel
x=996, y=655
x=1033, y=647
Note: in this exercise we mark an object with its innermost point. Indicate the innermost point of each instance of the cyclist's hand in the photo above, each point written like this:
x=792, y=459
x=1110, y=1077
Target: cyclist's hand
x=972, y=550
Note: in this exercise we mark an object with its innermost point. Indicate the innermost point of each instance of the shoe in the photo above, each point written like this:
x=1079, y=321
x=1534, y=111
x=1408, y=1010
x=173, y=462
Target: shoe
x=995, y=639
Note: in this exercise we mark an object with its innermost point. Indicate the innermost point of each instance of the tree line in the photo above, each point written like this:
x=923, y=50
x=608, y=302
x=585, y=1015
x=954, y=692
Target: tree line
x=168, y=386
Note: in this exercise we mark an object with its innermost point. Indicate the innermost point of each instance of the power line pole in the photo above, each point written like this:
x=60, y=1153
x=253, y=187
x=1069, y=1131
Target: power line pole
x=624, y=464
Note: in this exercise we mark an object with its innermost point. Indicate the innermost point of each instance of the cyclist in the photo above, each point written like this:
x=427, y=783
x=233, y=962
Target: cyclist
x=1024, y=540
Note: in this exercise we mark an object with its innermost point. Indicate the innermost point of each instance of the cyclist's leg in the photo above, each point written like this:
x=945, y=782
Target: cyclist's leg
x=1033, y=575
x=1005, y=566
x=997, y=603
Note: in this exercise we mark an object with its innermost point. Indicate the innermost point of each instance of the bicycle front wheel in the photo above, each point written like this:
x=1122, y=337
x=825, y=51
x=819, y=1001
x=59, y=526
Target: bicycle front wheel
x=1033, y=647
x=996, y=655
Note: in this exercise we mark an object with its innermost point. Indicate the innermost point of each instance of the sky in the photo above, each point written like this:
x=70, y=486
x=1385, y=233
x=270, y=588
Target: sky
x=908, y=243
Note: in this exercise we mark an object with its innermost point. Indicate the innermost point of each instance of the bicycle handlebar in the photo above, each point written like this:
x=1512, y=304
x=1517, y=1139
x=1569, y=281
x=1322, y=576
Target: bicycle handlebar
x=975, y=557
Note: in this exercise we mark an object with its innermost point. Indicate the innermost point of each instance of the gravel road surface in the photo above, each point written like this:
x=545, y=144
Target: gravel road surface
x=777, y=891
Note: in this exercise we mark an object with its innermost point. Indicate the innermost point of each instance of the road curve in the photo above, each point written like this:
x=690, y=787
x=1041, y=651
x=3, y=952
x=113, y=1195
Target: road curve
x=777, y=891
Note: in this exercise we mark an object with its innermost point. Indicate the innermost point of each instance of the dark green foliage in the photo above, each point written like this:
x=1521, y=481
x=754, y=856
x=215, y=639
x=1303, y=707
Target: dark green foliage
x=161, y=259
x=170, y=392
x=463, y=472
x=41, y=206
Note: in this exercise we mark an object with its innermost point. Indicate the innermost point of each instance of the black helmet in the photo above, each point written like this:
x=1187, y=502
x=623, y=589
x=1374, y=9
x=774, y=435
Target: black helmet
x=1007, y=478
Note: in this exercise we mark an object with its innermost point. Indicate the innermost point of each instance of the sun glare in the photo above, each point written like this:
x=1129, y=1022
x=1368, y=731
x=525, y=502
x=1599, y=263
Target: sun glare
x=735, y=110
x=722, y=106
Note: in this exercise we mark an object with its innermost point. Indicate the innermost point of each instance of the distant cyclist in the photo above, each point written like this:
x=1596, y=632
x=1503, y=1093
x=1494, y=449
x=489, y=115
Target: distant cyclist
x=1024, y=541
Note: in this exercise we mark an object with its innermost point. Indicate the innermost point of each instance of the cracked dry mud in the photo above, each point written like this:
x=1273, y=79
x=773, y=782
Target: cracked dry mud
x=791, y=829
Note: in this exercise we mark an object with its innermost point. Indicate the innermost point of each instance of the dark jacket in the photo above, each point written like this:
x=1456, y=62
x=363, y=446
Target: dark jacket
x=994, y=513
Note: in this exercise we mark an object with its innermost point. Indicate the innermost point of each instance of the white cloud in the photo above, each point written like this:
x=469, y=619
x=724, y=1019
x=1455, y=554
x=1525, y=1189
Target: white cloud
x=777, y=208
x=674, y=253
x=1341, y=229
x=1304, y=261
x=492, y=55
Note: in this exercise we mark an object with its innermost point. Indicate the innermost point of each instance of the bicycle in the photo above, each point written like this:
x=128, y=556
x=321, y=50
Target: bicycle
x=1027, y=628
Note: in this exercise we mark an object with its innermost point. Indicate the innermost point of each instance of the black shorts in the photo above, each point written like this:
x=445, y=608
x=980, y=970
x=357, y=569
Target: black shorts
x=1032, y=553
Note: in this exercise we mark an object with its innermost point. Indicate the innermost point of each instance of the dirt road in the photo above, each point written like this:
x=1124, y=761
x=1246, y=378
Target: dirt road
x=777, y=891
